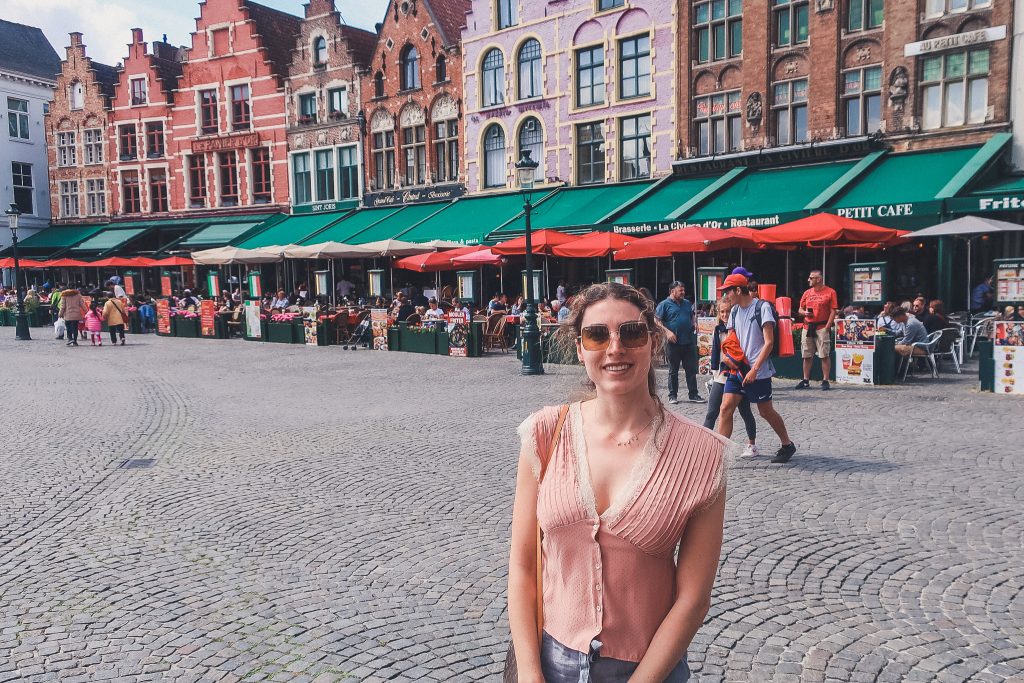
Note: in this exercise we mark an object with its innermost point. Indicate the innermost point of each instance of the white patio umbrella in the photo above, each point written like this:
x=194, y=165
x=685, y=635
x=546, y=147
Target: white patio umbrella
x=231, y=256
x=442, y=244
x=397, y=248
x=329, y=250
x=966, y=228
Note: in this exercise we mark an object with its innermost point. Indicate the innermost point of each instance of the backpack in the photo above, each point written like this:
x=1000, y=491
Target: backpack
x=758, y=318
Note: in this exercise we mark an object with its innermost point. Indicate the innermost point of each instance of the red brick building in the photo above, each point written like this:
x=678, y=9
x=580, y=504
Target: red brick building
x=227, y=131
x=412, y=99
x=325, y=119
x=772, y=73
x=76, y=135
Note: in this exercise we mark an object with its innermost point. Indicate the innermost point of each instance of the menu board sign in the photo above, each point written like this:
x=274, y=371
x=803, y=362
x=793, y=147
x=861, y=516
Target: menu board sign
x=165, y=285
x=1009, y=281
x=163, y=316
x=129, y=284
x=309, y=325
x=705, y=338
x=207, y=318
x=252, y=320
x=1009, y=357
x=868, y=283
x=855, y=351
x=458, y=334
x=379, y=327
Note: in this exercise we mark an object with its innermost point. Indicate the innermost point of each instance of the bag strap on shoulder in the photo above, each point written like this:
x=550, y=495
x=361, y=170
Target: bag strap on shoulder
x=540, y=548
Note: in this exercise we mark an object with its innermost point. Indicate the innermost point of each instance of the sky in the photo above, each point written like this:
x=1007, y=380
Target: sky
x=106, y=24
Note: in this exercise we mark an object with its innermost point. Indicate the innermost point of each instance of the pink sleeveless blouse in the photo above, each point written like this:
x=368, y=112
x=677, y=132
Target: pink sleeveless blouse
x=612, y=577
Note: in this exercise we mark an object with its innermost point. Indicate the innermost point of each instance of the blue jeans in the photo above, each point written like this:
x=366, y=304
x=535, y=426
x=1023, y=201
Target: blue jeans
x=561, y=664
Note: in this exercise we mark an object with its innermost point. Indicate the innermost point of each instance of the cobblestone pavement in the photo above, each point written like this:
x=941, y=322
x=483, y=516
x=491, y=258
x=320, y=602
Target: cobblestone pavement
x=317, y=514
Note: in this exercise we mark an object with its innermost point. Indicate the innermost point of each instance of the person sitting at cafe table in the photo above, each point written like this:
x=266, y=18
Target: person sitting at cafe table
x=914, y=333
x=402, y=308
x=279, y=302
x=457, y=305
x=498, y=304
x=981, y=295
x=433, y=311
x=188, y=300
x=934, y=319
x=884, y=320
x=519, y=307
x=560, y=311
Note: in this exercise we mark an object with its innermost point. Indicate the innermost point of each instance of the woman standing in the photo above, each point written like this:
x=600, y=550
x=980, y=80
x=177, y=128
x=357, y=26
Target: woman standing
x=718, y=383
x=72, y=309
x=626, y=483
x=116, y=316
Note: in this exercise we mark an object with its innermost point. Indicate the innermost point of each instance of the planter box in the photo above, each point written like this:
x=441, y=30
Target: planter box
x=418, y=340
x=394, y=339
x=263, y=333
x=6, y=318
x=187, y=327
x=134, y=323
x=285, y=333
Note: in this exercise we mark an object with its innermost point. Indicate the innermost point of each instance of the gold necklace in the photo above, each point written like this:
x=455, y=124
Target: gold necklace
x=631, y=440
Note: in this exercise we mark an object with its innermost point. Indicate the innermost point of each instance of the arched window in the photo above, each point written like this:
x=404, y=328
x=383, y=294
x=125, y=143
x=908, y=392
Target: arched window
x=378, y=84
x=319, y=51
x=495, y=170
x=494, y=78
x=531, y=137
x=410, y=63
x=441, y=70
x=77, y=95
x=529, y=70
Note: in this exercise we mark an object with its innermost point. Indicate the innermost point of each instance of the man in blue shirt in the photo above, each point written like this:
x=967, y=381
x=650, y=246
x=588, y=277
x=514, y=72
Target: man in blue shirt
x=675, y=315
x=981, y=296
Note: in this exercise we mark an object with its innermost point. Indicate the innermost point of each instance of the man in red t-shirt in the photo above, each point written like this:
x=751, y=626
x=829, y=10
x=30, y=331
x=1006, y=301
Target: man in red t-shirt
x=818, y=306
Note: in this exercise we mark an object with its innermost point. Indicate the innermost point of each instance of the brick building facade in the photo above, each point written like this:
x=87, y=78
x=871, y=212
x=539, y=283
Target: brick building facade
x=76, y=138
x=761, y=73
x=412, y=99
x=325, y=119
x=586, y=86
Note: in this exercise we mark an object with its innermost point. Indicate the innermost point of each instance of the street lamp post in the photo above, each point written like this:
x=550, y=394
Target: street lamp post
x=526, y=170
x=20, y=320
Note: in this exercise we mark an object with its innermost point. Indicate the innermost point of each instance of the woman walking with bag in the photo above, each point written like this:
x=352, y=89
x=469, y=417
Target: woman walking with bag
x=615, y=484
x=72, y=309
x=116, y=317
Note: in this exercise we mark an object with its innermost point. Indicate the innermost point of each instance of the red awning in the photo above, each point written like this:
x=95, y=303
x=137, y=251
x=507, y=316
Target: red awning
x=433, y=261
x=682, y=241
x=826, y=229
x=543, y=241
x=114, y=262
x=22, y=262
x=593, y=245
x=66, y=263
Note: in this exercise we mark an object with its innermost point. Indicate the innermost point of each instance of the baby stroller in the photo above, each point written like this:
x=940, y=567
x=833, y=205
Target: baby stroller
x=361, y=335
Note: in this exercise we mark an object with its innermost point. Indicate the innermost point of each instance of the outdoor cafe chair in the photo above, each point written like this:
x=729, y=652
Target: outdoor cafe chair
x=235, y=322
x=947, y=347
x=494, y=332
x=927, y=353
x=982, y=327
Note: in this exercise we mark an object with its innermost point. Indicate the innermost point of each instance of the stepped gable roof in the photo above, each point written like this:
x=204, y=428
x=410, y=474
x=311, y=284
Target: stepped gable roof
x=278, y=31
x=106, y=77
x=362, y=43
x=25, y=50
x=166, y=62
x=450, y=17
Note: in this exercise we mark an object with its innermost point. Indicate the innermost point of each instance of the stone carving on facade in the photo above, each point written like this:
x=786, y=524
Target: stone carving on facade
x=825, y=5
x=444, y=109
x=755, y=109
x=792, y=66
x=412, y=115
x=381, y=121
x=899, y=82
x=346, y=133
x=321, y=138
x=864, y=53
x=299, y=141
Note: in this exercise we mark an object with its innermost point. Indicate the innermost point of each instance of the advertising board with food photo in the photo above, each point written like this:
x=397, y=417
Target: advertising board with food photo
x=163, y=316
x=855, y=351
x=1009, y=357
x=309, y=325
x=379, y=327
x=705, y=336
x=458, y=334
x=207, y=317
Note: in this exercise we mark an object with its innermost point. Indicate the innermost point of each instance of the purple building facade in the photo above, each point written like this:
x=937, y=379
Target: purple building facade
x=588, y=86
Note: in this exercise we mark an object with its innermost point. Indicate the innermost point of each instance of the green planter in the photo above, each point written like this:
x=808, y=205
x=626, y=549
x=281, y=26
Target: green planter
x=263, y=333
x=6, y=318
x=285, y=333
x=325, y=333
x=987, y=365
x=186, y=327
x=394, y=339
x=134, y=323
x=418, y=339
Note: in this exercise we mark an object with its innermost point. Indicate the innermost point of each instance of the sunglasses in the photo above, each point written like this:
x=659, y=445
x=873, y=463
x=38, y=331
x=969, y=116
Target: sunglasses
x=632, y=335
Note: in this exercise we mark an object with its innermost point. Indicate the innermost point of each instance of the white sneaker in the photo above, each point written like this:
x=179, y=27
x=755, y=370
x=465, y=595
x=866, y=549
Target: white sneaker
x=750, y=451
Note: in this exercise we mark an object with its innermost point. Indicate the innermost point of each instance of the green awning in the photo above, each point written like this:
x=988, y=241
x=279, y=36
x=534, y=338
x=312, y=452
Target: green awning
x=108, y=240
x=577, y=207
x=351, y=226
x=219, y=234
x=291, y=230
x=399, y=222
x=1013, y=184
x=59, y=237
x=761, y=199
x=658, y=205
x=1004, y=194
x=468, y=219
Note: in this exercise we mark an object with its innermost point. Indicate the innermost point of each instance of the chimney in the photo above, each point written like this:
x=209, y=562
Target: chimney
x=316, y=8
x=76, y=39
x=136, y=36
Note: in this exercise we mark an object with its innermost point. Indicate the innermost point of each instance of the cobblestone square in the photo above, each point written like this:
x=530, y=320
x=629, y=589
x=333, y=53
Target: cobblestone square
x=315, y=514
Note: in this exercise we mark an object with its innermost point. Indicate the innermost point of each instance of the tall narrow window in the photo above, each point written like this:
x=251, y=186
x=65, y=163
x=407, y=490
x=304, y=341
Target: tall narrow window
x=197, y=181
x=17, y=118
x=154, y=139
x=348, y=173
x=410, y=64
x=531, y=137
x=589, y=154
x=139, y=92
x=589, y=76
x=494, y=78
x=208, y=112
x=227, y=163
x=609, y=4
x=789, y=107
x=324, y=174
x=718, y=123
x=790, y=21
x=128, y=142
x=96, y=196
x=319, y=51
x=508, y=13
x=495, y=171
x=260, y=160
x=635, y=67
x=302, y=179
x=936, y=8
x=77, y=95
x=529, y=69
x=241, y=111
x=378, y=84
x=131, y=195
x=954, y=89
x=635, y=147
x=862, y=99
x=307, y=108
x=67, y=150
x=68, y=198
x=718, y=29
x=337, y=102
x=440, y=69
x=158, y=190
x=22, y=183
x=384, y=159
x=414, y=149
x=446, y=150
x=865, y=14
x=93, y=139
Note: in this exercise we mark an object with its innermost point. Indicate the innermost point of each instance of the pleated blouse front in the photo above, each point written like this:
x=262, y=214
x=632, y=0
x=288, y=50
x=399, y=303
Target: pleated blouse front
x=612, y=576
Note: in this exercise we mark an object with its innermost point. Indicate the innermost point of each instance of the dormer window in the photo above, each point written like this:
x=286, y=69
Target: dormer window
x=319, y=51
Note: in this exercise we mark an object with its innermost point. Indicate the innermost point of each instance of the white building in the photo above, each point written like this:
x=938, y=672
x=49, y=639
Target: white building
x=28, y=72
